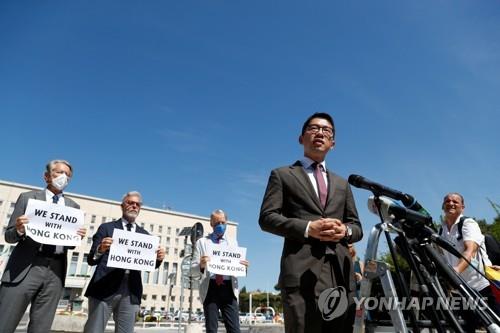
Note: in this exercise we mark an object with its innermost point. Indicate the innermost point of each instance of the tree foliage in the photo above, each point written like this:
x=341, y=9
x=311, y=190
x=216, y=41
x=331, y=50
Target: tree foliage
x=259, y=299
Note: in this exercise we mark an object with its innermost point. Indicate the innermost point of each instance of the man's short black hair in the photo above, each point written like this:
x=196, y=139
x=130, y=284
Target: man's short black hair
x=321, y=115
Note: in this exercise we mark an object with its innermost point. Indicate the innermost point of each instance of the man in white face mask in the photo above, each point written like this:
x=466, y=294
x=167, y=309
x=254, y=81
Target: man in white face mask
x=35, y=273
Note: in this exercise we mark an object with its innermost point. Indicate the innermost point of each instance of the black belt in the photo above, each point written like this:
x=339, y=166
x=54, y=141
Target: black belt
x=52, y=255
x=44, y=259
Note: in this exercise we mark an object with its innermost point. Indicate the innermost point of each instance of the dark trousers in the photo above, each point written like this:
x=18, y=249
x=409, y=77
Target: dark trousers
x=300, y=304
x=471, y=318
x=221, y=298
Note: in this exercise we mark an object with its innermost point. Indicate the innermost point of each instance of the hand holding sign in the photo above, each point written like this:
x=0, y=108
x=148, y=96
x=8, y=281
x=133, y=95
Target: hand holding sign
x=20, y=222
x=160, y=253
x=81, y=232
x=105, y=244
x=203, y=261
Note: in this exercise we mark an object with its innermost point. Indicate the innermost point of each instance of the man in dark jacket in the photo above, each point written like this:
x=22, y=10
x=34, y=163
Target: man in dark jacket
x=115, y=290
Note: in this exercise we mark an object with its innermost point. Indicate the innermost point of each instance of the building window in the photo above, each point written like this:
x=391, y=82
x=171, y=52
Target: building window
x=103, y=219
x=151, y=227
x=156, y=275
x=174, y=270
x=168, y=240
x=92, y=219
x=11, y=208
x=177, y=242
x=89, y=240
x=91, y=230
x=176, y=251
x=85, y=266
x=169, y=230
x=167, y=251
x=142, y=224
x=72, y=265
x=177, y=230
x=153, y=297
x=163, y=298
x=160, y=229
x=144, y=296
x=145, y=277
x=165, y=273
x=1, y=202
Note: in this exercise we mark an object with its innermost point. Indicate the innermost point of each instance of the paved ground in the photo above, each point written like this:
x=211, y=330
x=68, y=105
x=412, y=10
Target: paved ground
x=23, y=325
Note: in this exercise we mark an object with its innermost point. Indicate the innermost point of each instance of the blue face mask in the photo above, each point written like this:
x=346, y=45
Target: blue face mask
x=220, y=229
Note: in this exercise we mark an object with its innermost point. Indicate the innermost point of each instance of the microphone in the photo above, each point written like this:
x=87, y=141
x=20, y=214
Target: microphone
x=409, y=215
x=378, y=189
x=384, y=204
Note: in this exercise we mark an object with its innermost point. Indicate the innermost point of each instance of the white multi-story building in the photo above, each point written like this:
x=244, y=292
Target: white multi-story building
x=160, y=285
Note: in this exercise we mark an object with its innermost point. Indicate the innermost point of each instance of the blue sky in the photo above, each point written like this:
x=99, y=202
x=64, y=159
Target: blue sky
x=194, y=102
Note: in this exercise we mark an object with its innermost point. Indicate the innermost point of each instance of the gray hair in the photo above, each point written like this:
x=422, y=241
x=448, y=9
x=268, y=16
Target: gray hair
x=132, y=194
x=454, y=193
x=51, y=164
x=218, y=212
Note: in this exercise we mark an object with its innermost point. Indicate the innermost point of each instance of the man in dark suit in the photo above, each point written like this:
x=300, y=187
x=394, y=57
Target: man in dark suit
x=314, y=210
x=115, y=290
x=35, y=273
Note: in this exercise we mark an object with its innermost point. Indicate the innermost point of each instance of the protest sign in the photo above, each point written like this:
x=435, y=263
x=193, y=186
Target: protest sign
x=225, y=260
x=53, y=224
x=132, y=250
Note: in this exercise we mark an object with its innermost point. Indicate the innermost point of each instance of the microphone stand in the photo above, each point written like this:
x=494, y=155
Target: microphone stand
x=427, y=287
x=399, y=279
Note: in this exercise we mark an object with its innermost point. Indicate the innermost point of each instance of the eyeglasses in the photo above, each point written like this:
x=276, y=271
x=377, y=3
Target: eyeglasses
x=133, y=203
x=327, y=131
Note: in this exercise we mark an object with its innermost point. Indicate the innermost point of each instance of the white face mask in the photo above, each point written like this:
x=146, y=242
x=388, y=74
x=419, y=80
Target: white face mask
x=60, y=182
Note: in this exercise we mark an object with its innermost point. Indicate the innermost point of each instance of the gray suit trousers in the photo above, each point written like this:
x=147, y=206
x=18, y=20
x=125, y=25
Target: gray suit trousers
x=124, y=312
x=43, y=285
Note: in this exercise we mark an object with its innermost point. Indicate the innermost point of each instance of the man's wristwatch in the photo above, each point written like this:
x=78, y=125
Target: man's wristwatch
x=348, y=233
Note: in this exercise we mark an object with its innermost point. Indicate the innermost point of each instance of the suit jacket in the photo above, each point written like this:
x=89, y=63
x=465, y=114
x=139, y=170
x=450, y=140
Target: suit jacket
x=106, y=280
x=289, y=203
x=200, y=250
x=24, y=253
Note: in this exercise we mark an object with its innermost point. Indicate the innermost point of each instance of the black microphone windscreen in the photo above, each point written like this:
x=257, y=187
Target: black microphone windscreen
x=355, y=180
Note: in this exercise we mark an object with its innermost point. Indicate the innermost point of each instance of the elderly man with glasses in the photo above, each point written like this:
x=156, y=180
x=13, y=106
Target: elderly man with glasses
x=115, y=290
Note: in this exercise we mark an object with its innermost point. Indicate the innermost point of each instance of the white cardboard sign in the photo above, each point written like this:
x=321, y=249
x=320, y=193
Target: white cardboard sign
x=132, y=250
x=53, y=224
x=225, y=260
